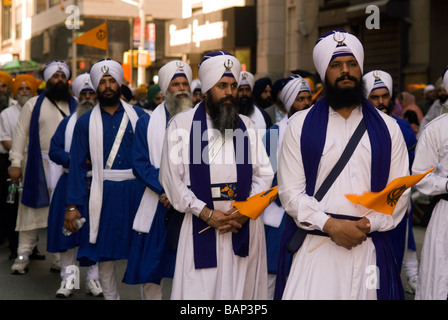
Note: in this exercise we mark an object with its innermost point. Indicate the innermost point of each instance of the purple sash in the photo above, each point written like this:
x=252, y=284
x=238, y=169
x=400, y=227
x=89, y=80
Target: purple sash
x=35, y=191
x=205, y=243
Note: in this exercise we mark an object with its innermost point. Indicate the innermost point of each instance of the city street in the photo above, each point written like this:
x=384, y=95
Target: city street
x=41, y=284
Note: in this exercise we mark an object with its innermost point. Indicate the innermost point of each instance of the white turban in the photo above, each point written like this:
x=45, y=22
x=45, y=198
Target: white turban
x=106, y=67
x=169, y=70
x=445, y=79
x=215, y=65
x=56, y=66
x=377, y=79
x=292, y=89
x=334, y=41
x=246, y=79
x=82, y=82
x=195, y=85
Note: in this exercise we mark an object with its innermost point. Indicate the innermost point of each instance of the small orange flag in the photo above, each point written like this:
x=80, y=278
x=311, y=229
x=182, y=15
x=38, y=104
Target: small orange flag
x=96, y=37
x=386, y=200
x=255, y=205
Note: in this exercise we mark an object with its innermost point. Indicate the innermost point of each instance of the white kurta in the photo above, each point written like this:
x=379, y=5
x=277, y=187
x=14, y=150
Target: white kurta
x=8, y=121
x=30, y=218
x=432, y=152
x=331, y=271
x=235, y=277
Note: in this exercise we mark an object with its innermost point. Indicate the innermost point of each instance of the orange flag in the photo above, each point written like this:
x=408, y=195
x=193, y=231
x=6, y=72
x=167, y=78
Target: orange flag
x=255, y=205
x=386, y=200
x=96, y=37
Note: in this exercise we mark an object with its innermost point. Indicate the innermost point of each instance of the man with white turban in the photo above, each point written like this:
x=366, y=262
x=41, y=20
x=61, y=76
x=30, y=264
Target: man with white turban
x=60, y=154
x=295, y=96
x=246, y=105
x=314, y=140
x=379, y=90
x=431, y=152
x=196, y=92
x=205, y=166
x=38, y=121
x=151, y=259
x=102, y=142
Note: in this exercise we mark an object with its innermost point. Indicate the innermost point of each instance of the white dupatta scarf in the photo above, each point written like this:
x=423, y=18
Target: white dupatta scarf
x=96, y=154
x=148, y=204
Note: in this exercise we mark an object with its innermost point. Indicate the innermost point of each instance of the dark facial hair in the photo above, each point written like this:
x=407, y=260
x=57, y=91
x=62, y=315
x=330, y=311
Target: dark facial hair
x=109, y=101
x=223, y=113
x=246, y=105
x=339, y=98
x=58, y=91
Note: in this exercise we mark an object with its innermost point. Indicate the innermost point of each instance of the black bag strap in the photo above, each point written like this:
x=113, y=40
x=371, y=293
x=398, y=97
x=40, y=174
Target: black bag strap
x=339, y=166
x=299, y=235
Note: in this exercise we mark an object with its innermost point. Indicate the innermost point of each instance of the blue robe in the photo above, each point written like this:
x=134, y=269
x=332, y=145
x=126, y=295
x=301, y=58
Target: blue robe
x=120, y=199
x=150, y=259
x=56, y=241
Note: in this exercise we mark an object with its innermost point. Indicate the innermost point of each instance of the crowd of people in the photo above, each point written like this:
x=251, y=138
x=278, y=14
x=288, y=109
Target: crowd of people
x=150, y=176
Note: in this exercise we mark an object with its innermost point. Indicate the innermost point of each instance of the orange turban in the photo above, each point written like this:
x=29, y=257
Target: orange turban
x=28, y=79
x=6, y=78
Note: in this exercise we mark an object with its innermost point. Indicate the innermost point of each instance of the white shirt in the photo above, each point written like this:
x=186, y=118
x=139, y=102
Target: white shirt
x=331, y=271
x=8, y=123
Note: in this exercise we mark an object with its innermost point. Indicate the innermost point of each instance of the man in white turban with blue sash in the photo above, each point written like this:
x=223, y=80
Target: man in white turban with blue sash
x=151, y=258
x=60, y=154
x=37, y=123
x=102, y=142
x=358, y=262
x=211, y=157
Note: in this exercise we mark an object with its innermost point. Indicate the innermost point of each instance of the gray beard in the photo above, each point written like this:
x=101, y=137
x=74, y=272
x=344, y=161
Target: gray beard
x=23, y=98
x=175, y=105
x=84, y=106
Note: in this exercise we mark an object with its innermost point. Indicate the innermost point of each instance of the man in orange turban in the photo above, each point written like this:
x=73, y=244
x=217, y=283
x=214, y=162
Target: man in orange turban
x=5, y=89
x=23, y=88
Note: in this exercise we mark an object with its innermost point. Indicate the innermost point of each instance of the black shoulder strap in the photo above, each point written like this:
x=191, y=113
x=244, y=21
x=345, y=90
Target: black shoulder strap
x=299, y=235
x=339, y=166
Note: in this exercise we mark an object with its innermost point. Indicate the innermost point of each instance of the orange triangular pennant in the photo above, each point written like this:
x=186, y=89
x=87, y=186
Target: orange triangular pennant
x=96, y=37
x=254, y=206
x=386, y=200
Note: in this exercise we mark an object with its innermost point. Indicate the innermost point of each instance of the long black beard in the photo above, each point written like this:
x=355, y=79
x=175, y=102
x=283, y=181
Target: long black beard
x=58, y=92
x=223, y=113
x=342, y=98
x=109, y=101
x=246, y=105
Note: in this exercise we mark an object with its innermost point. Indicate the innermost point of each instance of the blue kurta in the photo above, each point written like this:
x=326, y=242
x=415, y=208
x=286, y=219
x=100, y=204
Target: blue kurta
x=120, y=199
x=56, y=241
x=150, y=258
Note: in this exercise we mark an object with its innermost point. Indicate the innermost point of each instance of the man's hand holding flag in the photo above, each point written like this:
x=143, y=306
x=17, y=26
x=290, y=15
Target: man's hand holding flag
x=254, y=206
x=386, y=200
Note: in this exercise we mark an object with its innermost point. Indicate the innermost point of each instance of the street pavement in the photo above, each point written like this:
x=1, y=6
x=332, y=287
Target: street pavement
x=41, y=284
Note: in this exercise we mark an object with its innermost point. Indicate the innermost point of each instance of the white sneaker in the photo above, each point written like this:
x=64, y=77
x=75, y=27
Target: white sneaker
x=20, y=265
x=411, y=286
x=94, y=288
x=63, y=291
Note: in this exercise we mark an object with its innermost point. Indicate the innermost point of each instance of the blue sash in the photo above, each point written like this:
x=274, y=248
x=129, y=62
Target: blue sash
x=312, y=145
x=35, y=190
x=205, y=243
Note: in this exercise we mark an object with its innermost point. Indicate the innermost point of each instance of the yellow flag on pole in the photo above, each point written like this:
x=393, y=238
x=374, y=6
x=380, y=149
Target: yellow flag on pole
x=255, y=205
x=386, y=200
x=96, y=37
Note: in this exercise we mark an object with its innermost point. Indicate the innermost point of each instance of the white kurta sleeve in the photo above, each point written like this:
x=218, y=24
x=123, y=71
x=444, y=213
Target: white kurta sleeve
x=432, y=153
x=174, y=168
x=21, y=134
x=305, y=210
